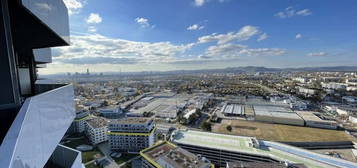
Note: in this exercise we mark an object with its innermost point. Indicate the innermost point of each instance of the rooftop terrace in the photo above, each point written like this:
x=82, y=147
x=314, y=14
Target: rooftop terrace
x=130, y=120
x=97, y=122
x=166, y=153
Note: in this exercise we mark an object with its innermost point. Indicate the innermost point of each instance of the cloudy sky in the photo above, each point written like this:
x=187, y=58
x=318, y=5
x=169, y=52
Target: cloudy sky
x=160, y=35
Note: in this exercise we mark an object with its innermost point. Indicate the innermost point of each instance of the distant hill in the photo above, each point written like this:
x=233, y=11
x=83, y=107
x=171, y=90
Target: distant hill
x=246, y=69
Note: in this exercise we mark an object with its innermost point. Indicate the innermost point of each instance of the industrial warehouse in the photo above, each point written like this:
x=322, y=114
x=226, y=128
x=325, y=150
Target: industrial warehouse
x=278, y=115
x=273, y=112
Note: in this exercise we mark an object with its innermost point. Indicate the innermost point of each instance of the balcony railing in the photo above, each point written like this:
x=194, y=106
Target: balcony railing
x=65, y=157
x=38, y=128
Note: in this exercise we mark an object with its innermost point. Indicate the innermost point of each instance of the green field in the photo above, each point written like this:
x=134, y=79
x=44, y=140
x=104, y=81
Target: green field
x=88, y=155
x=279, y=132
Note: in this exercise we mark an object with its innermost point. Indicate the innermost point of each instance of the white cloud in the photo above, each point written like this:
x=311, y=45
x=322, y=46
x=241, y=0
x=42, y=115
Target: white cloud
x=263, y=51
x=94, y=18
x=317, y=54
x=202, y=2
x=298, y=36
x=92, y=48
x=195, y=27
x=92, y=29
x=290, y=12
x=73, y=6
x=245, y=33
x=304, y=12
x=236, y=50
x=262, y=37
x=143, y=22
x=199, y=2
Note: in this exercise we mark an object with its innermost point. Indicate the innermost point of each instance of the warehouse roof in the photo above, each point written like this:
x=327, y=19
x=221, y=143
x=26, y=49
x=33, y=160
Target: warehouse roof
x=310, y=116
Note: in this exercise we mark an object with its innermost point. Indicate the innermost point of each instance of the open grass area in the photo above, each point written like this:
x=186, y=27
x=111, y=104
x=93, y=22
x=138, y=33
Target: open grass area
x=124, y=158
x=86, y=156
x=278, y=132
x=73, y=143
x=90, y=155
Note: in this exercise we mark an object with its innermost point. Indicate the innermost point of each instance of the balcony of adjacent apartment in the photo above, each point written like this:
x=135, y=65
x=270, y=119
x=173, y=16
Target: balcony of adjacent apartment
x=40, y=123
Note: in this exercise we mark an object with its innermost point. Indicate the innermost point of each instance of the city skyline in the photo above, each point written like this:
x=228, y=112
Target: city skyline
x=199, y=34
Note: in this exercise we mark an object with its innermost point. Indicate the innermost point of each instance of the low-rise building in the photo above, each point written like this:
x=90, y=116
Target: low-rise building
x=313, y=120
x=349, y=99
x=301, y=79
x=353, y=119
x=131, y=134
x=346, y=110
x=334, y=86
x=352, y=82
x=169, y=155
x=351, y=88
x=111, y=113
x=307, y=91
x=96, y=129
x=221, y=148
x=277, y=114
x=298, y=105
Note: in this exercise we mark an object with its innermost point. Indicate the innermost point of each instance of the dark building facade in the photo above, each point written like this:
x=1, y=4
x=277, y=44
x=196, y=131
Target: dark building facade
x=34, y=115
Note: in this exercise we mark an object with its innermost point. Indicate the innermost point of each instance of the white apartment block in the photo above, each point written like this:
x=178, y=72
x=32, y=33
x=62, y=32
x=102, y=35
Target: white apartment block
x=334, y=86
x=96, y=130
x=131, y=134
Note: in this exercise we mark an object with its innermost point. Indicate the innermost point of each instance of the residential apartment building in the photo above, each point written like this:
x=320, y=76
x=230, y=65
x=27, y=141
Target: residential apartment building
x=34, y=114
x=78, y=124
x=334, y=86
x=168, y=155
x=96, y=130
x=131, y=134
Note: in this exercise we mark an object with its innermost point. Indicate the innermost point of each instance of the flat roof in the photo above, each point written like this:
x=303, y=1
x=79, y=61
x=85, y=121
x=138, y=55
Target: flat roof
x=275, y=111
x=97, y=122
x=130, y=120
x=167, y=153
x=241, y=144
x=310, y=116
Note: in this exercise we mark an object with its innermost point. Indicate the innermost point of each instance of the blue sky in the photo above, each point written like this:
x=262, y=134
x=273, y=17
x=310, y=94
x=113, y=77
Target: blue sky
x=151, y=35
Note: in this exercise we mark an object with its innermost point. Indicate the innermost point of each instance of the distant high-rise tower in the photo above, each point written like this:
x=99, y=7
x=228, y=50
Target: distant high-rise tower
x=88, y=71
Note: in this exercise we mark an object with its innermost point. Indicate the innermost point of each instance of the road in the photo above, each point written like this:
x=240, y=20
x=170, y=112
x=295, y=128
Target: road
x=105, y=149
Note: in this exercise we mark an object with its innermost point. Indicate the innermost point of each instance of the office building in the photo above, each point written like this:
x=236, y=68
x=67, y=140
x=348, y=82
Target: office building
x=96, y=130
x=168, y=155
x=34, y=114
x=131, y=134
